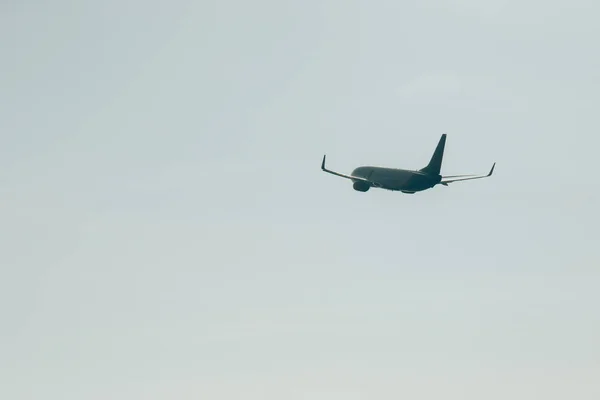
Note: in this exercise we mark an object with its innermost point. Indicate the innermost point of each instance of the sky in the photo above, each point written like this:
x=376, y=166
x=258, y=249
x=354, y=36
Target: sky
x=166, y=231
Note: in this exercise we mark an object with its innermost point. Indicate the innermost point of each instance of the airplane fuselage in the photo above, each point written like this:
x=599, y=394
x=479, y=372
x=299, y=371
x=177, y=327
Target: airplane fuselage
x=403, y=180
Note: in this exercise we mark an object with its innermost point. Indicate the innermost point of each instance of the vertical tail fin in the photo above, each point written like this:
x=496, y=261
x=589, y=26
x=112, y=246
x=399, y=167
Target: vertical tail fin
x=435, y=164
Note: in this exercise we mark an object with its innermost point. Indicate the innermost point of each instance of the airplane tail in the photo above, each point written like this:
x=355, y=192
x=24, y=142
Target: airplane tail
x=435, y=164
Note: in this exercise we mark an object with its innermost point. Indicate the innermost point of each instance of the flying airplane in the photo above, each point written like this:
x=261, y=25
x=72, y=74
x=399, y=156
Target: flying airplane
x=405, y=181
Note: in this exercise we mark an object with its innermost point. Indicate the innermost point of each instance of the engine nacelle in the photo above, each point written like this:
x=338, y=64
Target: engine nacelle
x=361, y=186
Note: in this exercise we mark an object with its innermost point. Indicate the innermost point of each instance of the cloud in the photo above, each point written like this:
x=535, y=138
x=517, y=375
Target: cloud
x=476, y=91
x=431, y=85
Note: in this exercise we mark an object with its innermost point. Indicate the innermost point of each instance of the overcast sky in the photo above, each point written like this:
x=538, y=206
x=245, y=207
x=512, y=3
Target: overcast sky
x=166, y=232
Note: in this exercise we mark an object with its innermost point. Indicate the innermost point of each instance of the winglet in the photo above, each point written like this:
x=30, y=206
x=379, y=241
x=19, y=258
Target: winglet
x=492, y=170
x=323, y=163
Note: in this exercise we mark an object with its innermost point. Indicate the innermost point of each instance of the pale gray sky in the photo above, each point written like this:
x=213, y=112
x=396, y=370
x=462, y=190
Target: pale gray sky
x=166, y=231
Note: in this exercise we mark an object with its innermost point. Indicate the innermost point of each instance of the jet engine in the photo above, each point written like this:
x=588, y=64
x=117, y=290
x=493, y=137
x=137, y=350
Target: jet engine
x=361, y=186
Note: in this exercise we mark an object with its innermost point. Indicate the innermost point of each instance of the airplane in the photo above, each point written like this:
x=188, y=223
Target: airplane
x=405, y=181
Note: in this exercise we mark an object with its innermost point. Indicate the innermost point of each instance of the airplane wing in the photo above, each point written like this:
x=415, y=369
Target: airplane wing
x=354, y=178
x=449, y=179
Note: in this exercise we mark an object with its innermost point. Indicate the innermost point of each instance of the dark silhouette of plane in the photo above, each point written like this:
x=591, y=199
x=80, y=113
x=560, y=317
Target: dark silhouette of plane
x=405, y=181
